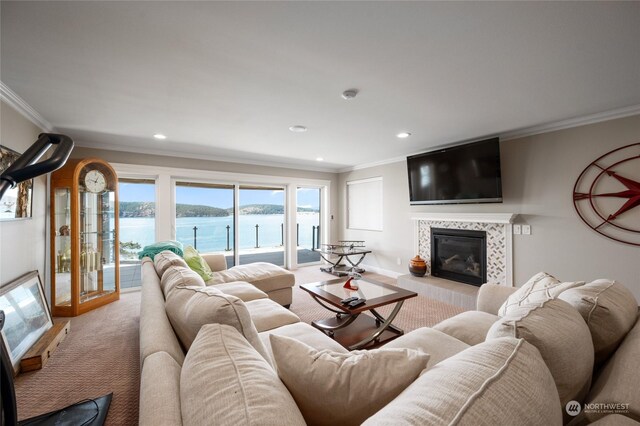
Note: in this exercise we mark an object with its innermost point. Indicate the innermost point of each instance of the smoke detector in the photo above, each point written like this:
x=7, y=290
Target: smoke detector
x=349, y=94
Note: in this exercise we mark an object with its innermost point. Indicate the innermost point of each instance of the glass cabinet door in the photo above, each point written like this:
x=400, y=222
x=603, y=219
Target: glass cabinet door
x=97, y=245
x=62, y=244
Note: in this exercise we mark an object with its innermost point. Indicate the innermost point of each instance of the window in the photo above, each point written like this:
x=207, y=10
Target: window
x=137, y=223
x=364, y=204
x=204, y=217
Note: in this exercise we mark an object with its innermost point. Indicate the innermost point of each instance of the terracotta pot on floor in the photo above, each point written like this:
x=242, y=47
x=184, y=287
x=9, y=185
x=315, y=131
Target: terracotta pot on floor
x=417, y=267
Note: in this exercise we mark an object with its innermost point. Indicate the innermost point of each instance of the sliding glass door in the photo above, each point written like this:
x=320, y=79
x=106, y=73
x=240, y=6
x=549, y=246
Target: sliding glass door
x=137, y=223
x=205, y=217
x=308, y=224
x=261, y=224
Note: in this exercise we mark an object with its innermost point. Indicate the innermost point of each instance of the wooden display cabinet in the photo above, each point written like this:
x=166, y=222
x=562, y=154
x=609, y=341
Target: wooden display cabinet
x=85, y=271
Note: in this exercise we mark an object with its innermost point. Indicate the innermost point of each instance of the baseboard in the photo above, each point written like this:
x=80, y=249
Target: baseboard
x=382, y=271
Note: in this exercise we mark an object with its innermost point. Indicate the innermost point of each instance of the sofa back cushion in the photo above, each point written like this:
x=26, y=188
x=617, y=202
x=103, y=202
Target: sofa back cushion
x=499, y=382
x=618, y=380
x=609, y=309
x=540, y=287
x=225, y=381
x=179, y=276
x=190, y=308
x=337, y=388
x=166, y=259
x=561, y=336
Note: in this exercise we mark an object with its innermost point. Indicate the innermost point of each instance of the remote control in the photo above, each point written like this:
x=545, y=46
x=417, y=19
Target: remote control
x=357, y=302
x=349, y=300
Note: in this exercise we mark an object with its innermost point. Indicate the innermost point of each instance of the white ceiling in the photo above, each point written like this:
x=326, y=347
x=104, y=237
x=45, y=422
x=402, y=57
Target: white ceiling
x=226, y=79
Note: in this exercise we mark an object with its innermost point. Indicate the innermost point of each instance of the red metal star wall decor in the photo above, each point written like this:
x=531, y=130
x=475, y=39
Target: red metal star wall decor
x=606, y=195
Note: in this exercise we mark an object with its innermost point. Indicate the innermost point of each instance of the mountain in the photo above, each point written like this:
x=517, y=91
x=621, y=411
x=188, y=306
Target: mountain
x=148, y=209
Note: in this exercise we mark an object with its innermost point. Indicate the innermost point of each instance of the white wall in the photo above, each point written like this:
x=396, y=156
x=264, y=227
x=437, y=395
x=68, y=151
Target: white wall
x=23, y=242
x=538, y=174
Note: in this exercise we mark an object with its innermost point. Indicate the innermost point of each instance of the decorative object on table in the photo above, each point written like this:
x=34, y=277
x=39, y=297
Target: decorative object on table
x=606, y=195
x=85, y=251
x=342, y=250
x=417, y=266
x=16, y=203
x=351, y=284
x=27, y=316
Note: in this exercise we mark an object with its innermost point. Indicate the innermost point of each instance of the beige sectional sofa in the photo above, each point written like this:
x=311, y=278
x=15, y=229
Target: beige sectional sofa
x=208, y=357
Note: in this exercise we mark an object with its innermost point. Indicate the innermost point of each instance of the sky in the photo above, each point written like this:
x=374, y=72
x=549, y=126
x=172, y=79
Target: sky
x=222, y=198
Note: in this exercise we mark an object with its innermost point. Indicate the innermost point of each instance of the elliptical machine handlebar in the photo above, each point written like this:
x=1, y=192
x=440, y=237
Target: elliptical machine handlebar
x=27, y=166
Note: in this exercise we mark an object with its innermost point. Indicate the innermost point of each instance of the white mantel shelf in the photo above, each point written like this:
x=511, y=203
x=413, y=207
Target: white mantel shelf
x=467, y=217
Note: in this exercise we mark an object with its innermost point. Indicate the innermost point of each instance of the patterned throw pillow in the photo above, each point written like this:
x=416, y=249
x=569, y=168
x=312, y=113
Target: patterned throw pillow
x=541, y=287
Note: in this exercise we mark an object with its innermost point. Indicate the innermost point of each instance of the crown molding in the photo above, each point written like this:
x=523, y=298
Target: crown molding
x=206, y=157
x=572, y=122
x=522, y=133
x=16, y=102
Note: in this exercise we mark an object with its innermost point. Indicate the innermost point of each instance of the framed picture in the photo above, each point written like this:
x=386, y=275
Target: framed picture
x=16, y=202
x=27, y=315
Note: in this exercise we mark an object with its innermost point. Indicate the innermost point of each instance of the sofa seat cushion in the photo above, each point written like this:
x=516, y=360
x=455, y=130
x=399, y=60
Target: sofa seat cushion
x=267, y=314
x=179, y=276
x=304, y=333
x=470, y=327
x=160, y=391
x=166, y=259
x=437, y=344
x=190, y=308
x=609, y=309
x=337, y=388
x=619, y=379
x=224, y=381
x=266, y=276
x=243, y=291
x=561, y=336
x=499, y=382
x=540, y=287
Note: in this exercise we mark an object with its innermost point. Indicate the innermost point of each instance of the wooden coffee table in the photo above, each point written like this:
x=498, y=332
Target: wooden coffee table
x=348, y=327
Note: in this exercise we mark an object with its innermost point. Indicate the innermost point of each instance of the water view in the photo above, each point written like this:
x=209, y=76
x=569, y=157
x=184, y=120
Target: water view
x=212, y=231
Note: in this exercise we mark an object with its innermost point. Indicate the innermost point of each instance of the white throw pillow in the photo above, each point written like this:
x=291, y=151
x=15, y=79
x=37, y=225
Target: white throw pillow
x=334, y=388
x=540, y=288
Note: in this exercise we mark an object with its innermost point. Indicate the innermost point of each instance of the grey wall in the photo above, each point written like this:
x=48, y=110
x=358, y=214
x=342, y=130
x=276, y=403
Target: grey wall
x=23, y=242
x=220, y=166
x=538, y=177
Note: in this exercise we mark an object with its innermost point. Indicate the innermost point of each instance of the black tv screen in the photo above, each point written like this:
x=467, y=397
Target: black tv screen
x=468, y=173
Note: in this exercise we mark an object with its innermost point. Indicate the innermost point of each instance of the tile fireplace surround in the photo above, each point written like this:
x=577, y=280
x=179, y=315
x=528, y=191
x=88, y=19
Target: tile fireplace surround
x=499, y=239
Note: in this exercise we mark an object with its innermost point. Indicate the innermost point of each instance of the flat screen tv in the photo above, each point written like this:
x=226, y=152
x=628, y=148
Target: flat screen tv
x=468, y=173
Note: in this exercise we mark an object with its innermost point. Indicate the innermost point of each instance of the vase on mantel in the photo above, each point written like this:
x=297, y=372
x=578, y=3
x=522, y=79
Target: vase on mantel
x=417, y=266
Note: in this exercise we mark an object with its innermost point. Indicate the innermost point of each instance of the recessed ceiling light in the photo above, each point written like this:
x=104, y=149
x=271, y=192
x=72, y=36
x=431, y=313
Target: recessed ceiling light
x=403, y=135
x=298, y=129
x=159, y=136
x=349, y=94
x=319, y=159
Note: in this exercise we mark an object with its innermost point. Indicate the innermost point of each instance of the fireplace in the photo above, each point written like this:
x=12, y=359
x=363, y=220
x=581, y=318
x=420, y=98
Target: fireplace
x=459, y=255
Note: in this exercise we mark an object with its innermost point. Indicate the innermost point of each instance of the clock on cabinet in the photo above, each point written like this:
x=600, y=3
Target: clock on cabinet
x=85, y=270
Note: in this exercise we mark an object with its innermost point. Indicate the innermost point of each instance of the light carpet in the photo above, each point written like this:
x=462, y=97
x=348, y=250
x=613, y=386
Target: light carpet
x=101, y=353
